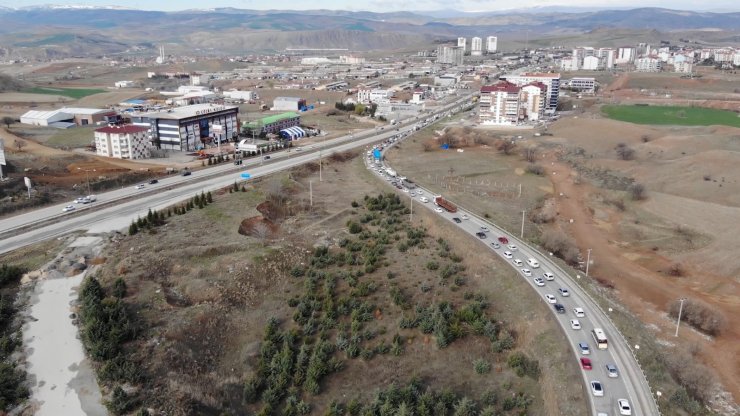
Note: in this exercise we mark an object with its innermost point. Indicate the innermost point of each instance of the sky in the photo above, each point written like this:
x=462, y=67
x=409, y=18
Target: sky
x=388, y=5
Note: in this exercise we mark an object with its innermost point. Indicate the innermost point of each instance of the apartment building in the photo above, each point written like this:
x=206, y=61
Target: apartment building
x=684, y=67
x=625, y=55
x=491, y=44
x=552, y=81
x=123, y=142
x=499, y=104
x=648, y=64
x=462, y=43
x=476, y=46
x=450, y=55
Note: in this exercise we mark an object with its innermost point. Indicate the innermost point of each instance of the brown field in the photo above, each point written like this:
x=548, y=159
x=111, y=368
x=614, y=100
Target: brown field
x=226, y=283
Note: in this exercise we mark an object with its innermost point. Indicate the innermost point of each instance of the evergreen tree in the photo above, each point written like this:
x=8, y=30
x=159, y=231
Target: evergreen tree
x=209, y=197
x=119, y=288
x=133, y=229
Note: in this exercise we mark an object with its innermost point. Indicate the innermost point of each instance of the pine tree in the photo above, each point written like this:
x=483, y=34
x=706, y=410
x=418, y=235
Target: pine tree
x=236, y=187
x=203, y=198
x=133, y=229
x=150, y=216
x=169, y=212
x=209, y=198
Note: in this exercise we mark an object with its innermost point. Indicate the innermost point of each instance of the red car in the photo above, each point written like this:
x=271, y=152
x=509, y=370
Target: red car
x=586, y=363
x=503, y=240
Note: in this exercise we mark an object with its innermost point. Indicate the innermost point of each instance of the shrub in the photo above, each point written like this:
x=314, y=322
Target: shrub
x=10, y=274
x=481, y=366
x=535, y=169
x=699, y=315
x=625, y=152
x=561, y=245
x=432, y=265
x=120, y=402
x=637, y=191
x=355, y=228
x=523, y=365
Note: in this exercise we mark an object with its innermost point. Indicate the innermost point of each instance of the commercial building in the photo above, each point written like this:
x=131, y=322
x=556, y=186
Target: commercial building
x=189, y=128
x=450, y=55
x=124, y=84
x=66, y=117
x=491, y=44
x=241, y=95
x=447, y=80
x=367, y=96
x=584, y=85
x=552, y=81
x=272, y=124
x=462, y=43
x=476, y=46
x=123, y=142
x=288, y=104
x=648, y=64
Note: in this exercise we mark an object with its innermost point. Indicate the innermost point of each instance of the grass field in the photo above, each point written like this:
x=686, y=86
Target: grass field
x=670, y=115
x=75, y=93
x=75, y=137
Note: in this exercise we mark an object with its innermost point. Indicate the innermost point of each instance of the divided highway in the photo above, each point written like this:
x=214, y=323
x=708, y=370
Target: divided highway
x=629, y=382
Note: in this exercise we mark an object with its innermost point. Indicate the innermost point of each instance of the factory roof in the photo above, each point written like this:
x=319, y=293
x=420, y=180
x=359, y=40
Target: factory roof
x=188, y=111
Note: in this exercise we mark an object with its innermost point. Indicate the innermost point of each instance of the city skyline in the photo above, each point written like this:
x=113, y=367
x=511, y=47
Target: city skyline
x=391, y=5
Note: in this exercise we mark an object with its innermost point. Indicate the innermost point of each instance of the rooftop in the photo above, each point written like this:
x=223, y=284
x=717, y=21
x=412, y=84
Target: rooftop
x=125, y=129
x=273, y=119
x=178, y=113
x=500, y=87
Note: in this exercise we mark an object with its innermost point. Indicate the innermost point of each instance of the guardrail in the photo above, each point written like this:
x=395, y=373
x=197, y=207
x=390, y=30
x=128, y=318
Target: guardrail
x=654, y=408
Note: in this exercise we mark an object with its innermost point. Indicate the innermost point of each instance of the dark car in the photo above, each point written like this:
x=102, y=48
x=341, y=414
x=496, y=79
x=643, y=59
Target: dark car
x=559, y=308
x=481, y=234
x=457, y=220
x=503, y=240
x=186, y=173
x=153, y=181
x=267, y=157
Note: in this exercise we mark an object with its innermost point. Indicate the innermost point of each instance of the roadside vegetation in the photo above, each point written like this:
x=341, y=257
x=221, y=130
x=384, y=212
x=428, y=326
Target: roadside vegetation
x=13, y=387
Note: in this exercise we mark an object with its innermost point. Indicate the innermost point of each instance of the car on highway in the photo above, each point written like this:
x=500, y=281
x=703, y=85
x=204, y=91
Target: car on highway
x=68, y=208
x=457, y=220
x=579, y=313
x=424, y=199
x=266, y=157
x=186, y=173
x=586, y=363
x=405, y=189
x=513, y=247
x=484, y=228
x=539, y=282
x=508, y=254
x=153, y=181
x=464, y=216
x=597, y=389
x=533, y=263
x=81, y=200
x=420, y=192
x=624, y=407
x=503, y=240
x=140, y=186
x=583, y=348
x=518, y=262
x=495, y=245
x=559, y=308
x=438, y=209
x=550, y=298
x=548, y=276
x=611, y=371
x=575, y=324
x=480, y=235
x=527, y=272
x=564, y=292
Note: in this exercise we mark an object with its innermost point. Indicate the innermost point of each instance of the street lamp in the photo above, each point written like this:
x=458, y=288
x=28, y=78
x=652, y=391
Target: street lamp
x=588, y=261
x=87, y=176
x=522, y=234
x=678, y=321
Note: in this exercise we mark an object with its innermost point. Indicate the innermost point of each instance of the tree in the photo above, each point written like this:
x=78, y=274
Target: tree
x=8, y=121
x=19, y=144
x=506, y=146
x=119, y=288
x=530, y=154
x=625, y=152
x=637, y=191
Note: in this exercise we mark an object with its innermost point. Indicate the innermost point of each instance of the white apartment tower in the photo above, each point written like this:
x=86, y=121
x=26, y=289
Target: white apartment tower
x=491, y=44
x=463, y=43
x=450, y=55
x=476, y=46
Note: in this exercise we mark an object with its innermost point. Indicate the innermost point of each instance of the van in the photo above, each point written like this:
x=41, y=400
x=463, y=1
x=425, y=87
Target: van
x=533, y=263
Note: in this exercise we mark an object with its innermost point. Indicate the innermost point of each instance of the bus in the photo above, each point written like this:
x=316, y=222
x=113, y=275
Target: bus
x=600, y=338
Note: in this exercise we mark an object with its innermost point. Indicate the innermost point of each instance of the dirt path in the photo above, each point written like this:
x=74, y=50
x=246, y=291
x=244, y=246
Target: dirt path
x=645, y=291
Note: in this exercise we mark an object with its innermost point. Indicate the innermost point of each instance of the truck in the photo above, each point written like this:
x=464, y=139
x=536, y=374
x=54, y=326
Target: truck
x=441, y=202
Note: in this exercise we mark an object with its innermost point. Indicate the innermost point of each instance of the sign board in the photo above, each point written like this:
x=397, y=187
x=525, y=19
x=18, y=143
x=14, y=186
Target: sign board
x=376, y=154
x=217, y=128
x=245, y=175
x=2, y=153
x=27, y=181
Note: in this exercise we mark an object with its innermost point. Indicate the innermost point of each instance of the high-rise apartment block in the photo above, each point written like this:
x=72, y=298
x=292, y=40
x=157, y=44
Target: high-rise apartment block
x=491, y=44
x=450, y=55
x=463, y=43
x=551, y=82
x=476, y=46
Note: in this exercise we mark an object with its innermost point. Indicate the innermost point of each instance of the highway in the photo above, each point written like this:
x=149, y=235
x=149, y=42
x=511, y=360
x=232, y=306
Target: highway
x=631, y=383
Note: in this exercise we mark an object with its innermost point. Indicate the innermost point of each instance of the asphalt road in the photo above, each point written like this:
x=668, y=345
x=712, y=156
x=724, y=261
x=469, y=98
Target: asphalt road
x=631, y=383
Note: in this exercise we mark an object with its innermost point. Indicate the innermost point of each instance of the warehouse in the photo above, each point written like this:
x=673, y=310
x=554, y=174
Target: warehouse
x=272, y=124
x=191, y=127
x=66, y=117
x=288, y=104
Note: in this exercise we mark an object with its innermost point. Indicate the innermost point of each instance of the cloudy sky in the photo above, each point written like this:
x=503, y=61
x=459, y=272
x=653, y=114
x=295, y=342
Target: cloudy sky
x=391, y=5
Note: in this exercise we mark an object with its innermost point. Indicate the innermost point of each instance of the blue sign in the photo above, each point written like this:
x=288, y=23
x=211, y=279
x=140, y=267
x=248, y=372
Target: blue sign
x=245, y=175
x=376, y=154
x=445, y=146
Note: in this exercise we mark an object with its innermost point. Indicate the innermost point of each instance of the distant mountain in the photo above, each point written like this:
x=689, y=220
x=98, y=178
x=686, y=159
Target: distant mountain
x=64, y=30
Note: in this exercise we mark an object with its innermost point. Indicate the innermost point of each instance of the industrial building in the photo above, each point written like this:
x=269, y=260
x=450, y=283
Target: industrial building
x=273, y=124
x=189, y=128
x=66, y=117
x=288, y=104
x=123, y=142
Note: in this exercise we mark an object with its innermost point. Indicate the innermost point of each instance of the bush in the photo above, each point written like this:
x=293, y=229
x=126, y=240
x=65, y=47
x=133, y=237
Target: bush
x=481, y=366
x=355, y=228
x=535, y=169
x=699, y=315
x=10, y=274
x=120, y=402
x=637, y=191
x=625, y=152
x=523, y=365
x=432, y=265
x=561, y=245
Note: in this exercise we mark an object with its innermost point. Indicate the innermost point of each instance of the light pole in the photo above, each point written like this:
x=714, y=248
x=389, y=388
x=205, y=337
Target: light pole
x=678, y=321
x=588, y=260
x=320, y=177
x=87, y=177
x=522, y=234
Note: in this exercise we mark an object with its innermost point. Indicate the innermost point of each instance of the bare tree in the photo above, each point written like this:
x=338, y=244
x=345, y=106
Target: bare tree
x=530, y=154
x=276, y=192
x=506, y=146
x=625, y=152
x=7, y=120
x=261, y=231
x=19, y=144
x=637, y=191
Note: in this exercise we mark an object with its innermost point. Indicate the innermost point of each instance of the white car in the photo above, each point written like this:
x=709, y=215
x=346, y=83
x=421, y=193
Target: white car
x=419, y=192
x=624, y=407
x=533, y=263
x=424, y=199
x=140, y=186
x=80, y=200
x=527, y=272
x=550, y=298
x=597, y=389
x=508, y=254
x=438, y=209
x=583, y=348
x=406, y=190
x=68, y=208
x=513, y=247
x=611, y=371
x=517, y=262
x=464, y=216
x=579, y=312
x=564, y=292
x=484, y=228
x=538, y=281
x=575, y=324
x=548, y=276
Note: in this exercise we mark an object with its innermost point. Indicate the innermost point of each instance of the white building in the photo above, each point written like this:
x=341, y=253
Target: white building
x=123, y=142
x=584, y=85
x=288, y=103
x=241, y=95
x=491, y=44
x=124, y=84
x=499, y=104
x=476, y=46
x=552, y=81
x=351, y=60
x=684, y=67
x=625, y=55
x=66, y=117
x=648, y=64
x=367, y=96
x=462, y=43
x=608, y=57
x=736, y=59
x=568, y=64
x=532, y=101
x=446, y=80
x=592, y=63
x=450, y=55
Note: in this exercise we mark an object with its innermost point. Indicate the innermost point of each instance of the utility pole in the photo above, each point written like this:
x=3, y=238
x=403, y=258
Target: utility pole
x=320, y=177
x=588, y=261
x=411, y=215
x=678, y=321
x=522, y=234
x=310, y=192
